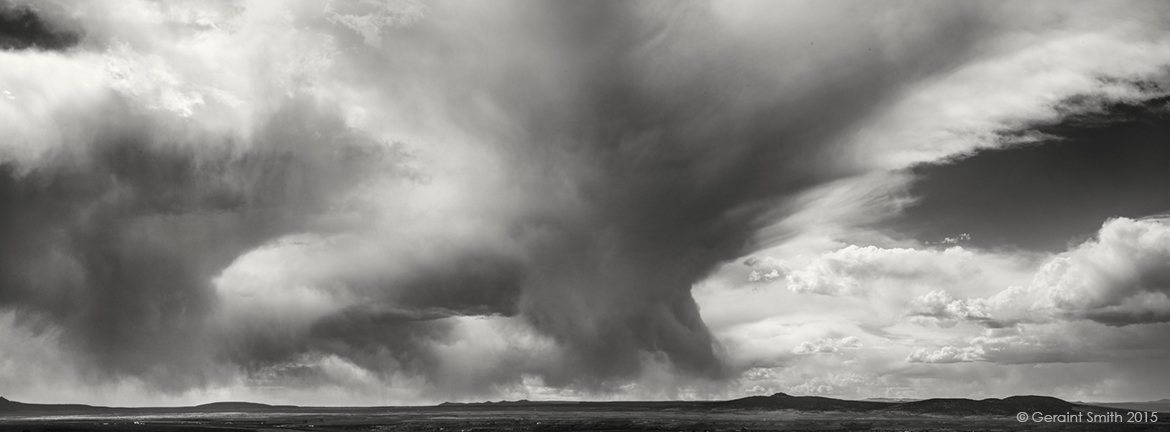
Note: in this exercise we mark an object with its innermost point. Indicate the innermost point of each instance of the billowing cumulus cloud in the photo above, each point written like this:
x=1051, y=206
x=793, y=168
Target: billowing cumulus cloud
x=1096, y=303
x=265, y=199
x=1117, y=279
x=1100, y=300
x=827, y=346
x=947, y=354
x=1123, y=277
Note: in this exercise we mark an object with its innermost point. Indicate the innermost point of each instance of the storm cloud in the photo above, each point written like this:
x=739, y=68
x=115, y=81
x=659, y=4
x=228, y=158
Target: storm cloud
x=368, y=194
x=22, y=27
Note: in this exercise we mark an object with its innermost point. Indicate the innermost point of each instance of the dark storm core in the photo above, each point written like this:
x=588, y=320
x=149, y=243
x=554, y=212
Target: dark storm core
x=22, y=28
x=1049, y=195
x=119, y=245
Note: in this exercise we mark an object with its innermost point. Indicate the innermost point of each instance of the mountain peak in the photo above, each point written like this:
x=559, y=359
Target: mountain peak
x=781, y=395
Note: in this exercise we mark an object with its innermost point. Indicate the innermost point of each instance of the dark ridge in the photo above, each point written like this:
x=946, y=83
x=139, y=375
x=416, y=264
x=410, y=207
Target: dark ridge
x=222, y=406
x=1007, y=406
x=22, y=28
x=7, y=406
x=10, y=407
x=781, y=401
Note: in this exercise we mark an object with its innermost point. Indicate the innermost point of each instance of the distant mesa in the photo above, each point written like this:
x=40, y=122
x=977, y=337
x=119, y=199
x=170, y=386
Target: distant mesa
x=992, y=406
x=783, y=401
x=7, y=406
x=221, y=406
x=948, y=407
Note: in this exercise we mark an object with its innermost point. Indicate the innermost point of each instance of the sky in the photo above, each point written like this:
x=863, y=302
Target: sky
x=402, y=202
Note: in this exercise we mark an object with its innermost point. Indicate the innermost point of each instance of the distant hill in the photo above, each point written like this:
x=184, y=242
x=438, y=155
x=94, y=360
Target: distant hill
x=7, y=406
x=781, y=401
x=1006, y=406
x=235, y=406
x=1009, y=406
x=11, y=407
x=953, y=407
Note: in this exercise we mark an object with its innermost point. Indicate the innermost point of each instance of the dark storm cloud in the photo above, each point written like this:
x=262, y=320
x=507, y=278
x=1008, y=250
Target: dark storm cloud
x=649, y=143
x=382, y=340
x=675, y=139
x=1052, y=194
x=584, y=165
x=22, y=27
x=119, y=245
x=469, y=284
